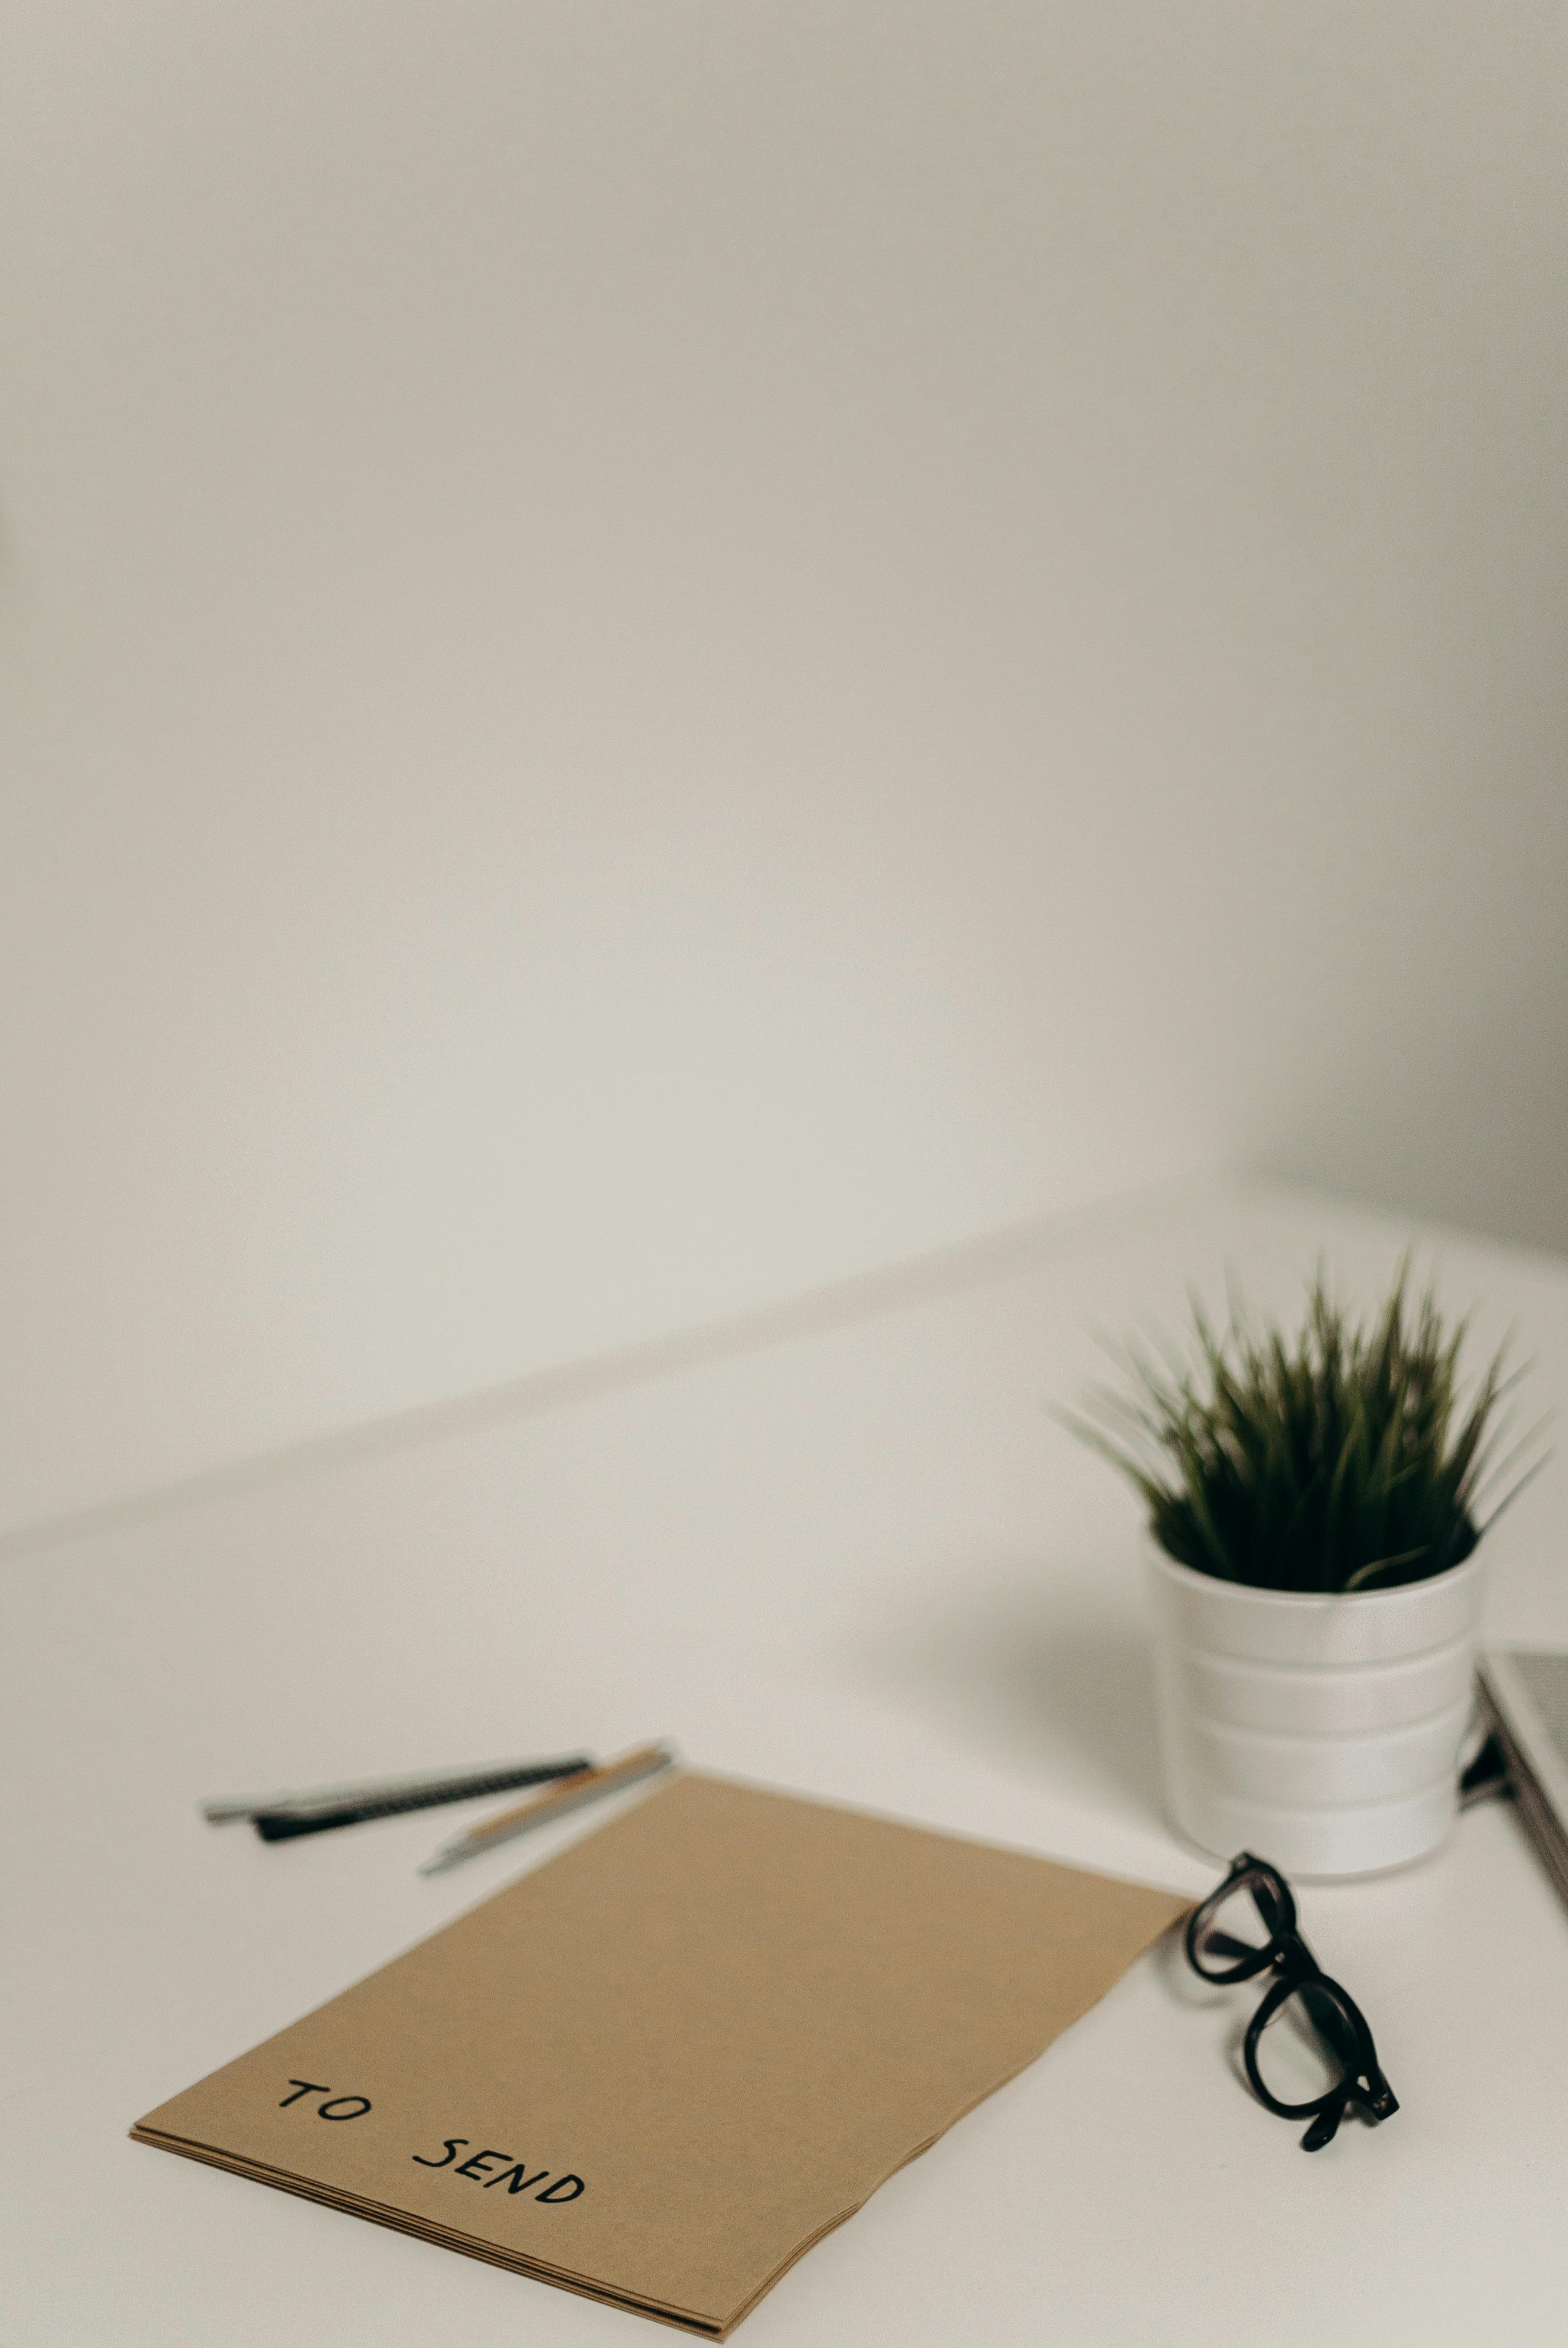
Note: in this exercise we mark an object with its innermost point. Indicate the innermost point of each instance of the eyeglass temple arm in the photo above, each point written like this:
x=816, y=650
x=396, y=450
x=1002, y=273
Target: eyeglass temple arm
x=1220, y=1944
x=1325, y=2127
x=1333, y=2026
x=1376, y=2098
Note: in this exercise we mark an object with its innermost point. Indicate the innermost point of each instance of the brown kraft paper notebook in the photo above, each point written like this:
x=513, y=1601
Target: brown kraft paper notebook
x=660, y=2066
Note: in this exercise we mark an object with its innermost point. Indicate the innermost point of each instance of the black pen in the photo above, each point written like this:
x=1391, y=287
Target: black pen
x=278, y=1818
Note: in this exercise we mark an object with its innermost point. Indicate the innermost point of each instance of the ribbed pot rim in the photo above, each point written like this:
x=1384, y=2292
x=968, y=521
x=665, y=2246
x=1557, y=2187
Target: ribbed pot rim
x=1309, y=1600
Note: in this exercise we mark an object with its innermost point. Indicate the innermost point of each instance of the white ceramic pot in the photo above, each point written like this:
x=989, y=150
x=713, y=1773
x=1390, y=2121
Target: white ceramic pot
x=1322, y=1733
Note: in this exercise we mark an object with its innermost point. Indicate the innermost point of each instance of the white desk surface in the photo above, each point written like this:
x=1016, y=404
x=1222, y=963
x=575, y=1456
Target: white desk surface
x=850, y=1555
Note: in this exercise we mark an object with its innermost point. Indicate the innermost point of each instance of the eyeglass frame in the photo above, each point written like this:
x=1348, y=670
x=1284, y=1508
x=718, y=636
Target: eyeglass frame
x=1287, y=1956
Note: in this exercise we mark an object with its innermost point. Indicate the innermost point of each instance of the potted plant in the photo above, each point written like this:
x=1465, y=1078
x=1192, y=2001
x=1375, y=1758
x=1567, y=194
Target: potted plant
x=1311, y=1561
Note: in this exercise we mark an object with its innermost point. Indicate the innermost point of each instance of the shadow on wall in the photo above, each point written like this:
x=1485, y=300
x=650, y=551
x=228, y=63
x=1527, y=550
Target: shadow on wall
x=1042, y=1682
x=1447, y=1112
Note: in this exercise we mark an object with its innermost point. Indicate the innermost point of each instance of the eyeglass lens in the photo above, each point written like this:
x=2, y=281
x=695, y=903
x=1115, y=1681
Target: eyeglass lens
x=1307, y=2048
x=1241, y=1927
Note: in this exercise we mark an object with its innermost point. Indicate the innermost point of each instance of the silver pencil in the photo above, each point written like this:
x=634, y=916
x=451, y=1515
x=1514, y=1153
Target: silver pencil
x=588, y=1785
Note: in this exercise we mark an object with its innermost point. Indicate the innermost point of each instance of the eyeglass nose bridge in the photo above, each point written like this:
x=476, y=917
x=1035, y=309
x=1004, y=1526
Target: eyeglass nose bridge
x=1290, y=1957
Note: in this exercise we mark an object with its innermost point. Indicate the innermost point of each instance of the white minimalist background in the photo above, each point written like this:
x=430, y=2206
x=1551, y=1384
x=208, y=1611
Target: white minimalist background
x=655, y=653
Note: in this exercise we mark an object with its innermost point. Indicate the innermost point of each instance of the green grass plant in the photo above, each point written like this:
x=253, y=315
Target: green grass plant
x=1350, y=1458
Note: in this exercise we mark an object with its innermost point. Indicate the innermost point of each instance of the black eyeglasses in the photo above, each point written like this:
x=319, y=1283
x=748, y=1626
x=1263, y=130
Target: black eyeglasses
x=1324, y=2044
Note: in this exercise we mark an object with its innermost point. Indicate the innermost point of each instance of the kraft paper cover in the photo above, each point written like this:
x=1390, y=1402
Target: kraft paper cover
x=661, y=2065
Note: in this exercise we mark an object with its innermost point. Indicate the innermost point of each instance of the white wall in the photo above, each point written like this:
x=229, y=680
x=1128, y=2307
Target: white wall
x=657, y=652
